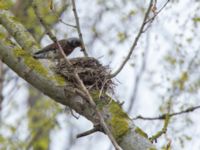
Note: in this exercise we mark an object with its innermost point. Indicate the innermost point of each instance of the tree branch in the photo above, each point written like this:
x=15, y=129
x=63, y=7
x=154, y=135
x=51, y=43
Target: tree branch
x=162, y=131
x=156, y=13
x=67, y=24
x=93, y=130
x=78, y=27
x=163, y=116
x=135, y=41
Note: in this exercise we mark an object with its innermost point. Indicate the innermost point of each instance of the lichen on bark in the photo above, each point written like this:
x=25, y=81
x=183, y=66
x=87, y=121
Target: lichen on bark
x=36, y=66
x=119, y=121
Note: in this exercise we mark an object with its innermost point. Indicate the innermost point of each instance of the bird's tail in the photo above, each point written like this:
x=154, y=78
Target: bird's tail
x=44, y=54
x=40, y=55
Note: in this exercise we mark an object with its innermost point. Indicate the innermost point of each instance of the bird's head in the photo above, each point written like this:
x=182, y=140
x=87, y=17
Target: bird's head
x=75, y=42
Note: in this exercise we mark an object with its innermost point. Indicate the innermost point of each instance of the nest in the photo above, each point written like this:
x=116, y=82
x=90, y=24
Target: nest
x=91, y=71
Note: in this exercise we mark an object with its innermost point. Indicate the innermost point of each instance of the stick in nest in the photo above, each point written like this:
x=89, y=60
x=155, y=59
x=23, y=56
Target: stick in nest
x=92, y=73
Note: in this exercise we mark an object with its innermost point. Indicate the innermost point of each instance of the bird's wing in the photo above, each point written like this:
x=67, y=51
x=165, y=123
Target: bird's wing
x=50, y=51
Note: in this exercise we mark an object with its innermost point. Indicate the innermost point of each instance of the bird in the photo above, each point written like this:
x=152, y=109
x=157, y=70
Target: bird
x=52, y=51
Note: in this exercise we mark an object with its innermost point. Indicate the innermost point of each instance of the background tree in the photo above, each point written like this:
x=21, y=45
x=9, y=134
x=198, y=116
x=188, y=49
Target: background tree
x=163, y=69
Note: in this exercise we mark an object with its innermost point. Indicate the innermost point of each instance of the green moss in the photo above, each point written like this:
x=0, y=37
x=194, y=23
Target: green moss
x=31, y=62
x=100, y=100
x=141, y=132
x=119, y=121
x=59, y=79
x=37, y=66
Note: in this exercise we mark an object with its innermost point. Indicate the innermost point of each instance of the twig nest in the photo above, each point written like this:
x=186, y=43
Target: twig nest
x=90, y=70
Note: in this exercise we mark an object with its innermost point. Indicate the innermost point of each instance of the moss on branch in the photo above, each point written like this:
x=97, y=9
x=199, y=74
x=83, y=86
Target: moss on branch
x=37, y=66
x=119, y=121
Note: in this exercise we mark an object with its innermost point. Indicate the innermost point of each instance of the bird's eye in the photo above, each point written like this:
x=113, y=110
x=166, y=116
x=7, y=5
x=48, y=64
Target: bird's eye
x=76, y=43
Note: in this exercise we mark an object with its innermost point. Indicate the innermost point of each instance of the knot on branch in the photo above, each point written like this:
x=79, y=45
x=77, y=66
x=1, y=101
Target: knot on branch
x=90, y=70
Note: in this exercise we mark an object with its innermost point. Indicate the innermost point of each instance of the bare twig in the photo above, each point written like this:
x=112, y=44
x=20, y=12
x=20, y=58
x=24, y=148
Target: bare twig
x=67, y=24
x=142, y=30
x=162, y=131
x=135, y=41
x=78, y=27
x=84, y=90
x=156, y=13
x=72, y=113
x=164, y=128
x=188, y=110
x=163, y=116
x=93, y=130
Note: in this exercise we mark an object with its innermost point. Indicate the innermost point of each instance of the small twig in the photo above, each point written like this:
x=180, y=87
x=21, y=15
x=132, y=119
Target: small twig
x=135, y=42
x=83, y=90
x=161, y=117
x=156, y=14
x=142, y=30
x=78, y=27
x=164, y=128
x=70, y=25
x=162, y=131
x=102, y=88
x=72, y=113
x=95, y=129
